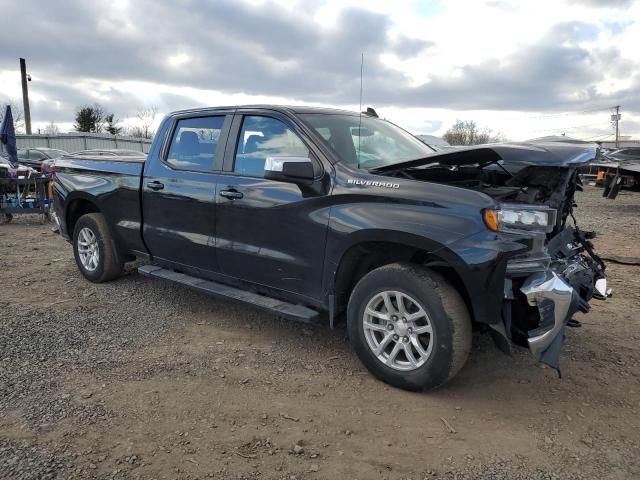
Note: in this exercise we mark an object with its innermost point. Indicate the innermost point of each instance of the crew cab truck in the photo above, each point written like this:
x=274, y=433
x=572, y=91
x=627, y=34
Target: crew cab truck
x=301, y=210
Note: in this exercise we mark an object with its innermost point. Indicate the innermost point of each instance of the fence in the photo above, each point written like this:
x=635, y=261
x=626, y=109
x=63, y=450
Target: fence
x=73, y=142
x=621, y=144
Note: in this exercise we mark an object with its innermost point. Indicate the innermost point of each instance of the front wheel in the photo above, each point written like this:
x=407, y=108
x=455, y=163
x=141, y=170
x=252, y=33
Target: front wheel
x=95, y=250
x=409, y=326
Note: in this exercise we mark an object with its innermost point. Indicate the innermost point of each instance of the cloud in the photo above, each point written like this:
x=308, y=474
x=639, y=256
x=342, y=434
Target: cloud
x=604, y=3
x=557, y=73
x=406, y=47
x=231, y=46
x=127, y=54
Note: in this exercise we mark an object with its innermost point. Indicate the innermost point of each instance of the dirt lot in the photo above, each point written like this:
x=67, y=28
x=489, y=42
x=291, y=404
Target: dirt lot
x=142, y=379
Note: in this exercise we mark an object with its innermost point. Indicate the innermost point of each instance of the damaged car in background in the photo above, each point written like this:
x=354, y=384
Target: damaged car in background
x=313, y=213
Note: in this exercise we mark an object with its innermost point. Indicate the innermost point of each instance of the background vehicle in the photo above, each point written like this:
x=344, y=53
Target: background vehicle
x=630, y=153
x=33, y=157
x=436, y=143
x=113, y=152
x=9, y=170
x=301, y=210
x=616, y=169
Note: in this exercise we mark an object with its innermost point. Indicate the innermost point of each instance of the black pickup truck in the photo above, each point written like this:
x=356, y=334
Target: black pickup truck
x=314, y=213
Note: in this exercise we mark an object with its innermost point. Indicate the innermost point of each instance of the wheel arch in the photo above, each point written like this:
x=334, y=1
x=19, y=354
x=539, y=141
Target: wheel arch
x=368, y=252
x=76, y=206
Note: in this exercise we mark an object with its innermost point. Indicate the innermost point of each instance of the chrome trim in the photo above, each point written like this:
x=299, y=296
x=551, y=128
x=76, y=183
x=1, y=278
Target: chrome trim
x=547, y=286
x=601, y=292
x=527, y=265
x=372, y=183
x=276, y=164
x=55, y=219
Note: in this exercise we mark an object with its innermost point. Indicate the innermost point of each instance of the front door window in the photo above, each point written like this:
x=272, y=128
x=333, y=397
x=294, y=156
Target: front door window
x=262, y=137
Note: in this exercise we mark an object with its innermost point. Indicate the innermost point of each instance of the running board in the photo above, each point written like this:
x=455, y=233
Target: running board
x=277, y=307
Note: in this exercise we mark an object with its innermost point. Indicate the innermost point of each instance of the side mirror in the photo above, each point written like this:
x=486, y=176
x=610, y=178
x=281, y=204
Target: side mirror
x=289, y=169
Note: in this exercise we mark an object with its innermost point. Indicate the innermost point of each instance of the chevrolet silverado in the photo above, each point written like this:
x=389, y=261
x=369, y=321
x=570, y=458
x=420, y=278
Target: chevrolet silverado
x=317, y=213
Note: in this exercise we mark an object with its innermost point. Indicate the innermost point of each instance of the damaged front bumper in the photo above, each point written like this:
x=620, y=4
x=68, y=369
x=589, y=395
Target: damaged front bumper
x=546, y=287
x=556, y=302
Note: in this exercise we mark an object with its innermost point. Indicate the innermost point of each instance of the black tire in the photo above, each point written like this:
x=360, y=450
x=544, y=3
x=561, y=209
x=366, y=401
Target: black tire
x=109, y=265
x=447, y=313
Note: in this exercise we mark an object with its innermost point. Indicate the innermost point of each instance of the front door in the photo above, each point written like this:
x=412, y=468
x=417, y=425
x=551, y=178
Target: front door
x=269, y=232
x=178, y=194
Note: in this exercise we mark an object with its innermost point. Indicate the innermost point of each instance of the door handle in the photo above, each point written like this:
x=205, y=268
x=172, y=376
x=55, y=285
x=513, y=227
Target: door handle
x=231, y=194
x=155, y=185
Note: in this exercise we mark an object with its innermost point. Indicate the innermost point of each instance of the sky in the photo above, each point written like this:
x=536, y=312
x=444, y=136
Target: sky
x=524, y=69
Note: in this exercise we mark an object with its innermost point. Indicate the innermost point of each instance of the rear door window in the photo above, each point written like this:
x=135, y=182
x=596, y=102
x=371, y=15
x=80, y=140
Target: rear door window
x=194, y=143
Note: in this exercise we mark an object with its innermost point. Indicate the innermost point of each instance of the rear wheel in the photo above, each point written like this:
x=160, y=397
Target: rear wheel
x=95, y=250
x=409, y=326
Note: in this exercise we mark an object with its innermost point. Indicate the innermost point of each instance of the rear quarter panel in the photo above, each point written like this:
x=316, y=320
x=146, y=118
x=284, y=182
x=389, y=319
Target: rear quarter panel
x=113, y=186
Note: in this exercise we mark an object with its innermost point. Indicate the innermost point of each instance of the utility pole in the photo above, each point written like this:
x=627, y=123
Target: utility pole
x=25, y=96
x=616, y=118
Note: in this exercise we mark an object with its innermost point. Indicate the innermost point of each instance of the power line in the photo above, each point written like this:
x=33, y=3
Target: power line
x=599, y=136
x=563, y=114
x=583, y=126
x=573, y=127
x=360, y=118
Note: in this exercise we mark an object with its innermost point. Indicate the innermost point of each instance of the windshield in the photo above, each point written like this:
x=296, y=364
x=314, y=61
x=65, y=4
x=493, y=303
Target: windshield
x=365, y=142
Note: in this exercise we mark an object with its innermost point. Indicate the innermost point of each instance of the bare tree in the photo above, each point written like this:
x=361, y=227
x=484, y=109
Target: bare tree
x=146, y=119
x=51, y=129
x=467, y=132
x=16, y=111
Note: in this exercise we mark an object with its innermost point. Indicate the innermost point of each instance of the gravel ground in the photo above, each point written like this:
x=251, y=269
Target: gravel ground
x=143, y=379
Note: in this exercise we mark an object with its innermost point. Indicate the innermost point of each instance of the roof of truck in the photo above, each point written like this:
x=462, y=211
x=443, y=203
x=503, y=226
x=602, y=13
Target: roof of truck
x=295, y=109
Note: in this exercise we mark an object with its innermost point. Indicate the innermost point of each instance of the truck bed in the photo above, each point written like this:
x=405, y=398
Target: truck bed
x=115, y=179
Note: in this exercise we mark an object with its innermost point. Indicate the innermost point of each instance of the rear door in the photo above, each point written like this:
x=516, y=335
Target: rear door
x=269, y=232
x=178, y=192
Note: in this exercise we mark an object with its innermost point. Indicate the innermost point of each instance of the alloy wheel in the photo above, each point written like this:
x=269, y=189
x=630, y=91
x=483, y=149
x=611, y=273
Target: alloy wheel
x=88, y=249
x=398, y=330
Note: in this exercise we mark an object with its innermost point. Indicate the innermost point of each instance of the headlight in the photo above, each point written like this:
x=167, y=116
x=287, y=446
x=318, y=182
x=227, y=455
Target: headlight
x=514, y=217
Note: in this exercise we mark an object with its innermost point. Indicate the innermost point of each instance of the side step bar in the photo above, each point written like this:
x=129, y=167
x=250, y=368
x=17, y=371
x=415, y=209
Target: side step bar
x=277, y=307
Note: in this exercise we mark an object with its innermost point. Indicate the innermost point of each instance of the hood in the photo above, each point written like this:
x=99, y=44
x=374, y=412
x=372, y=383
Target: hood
x=547, y=154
